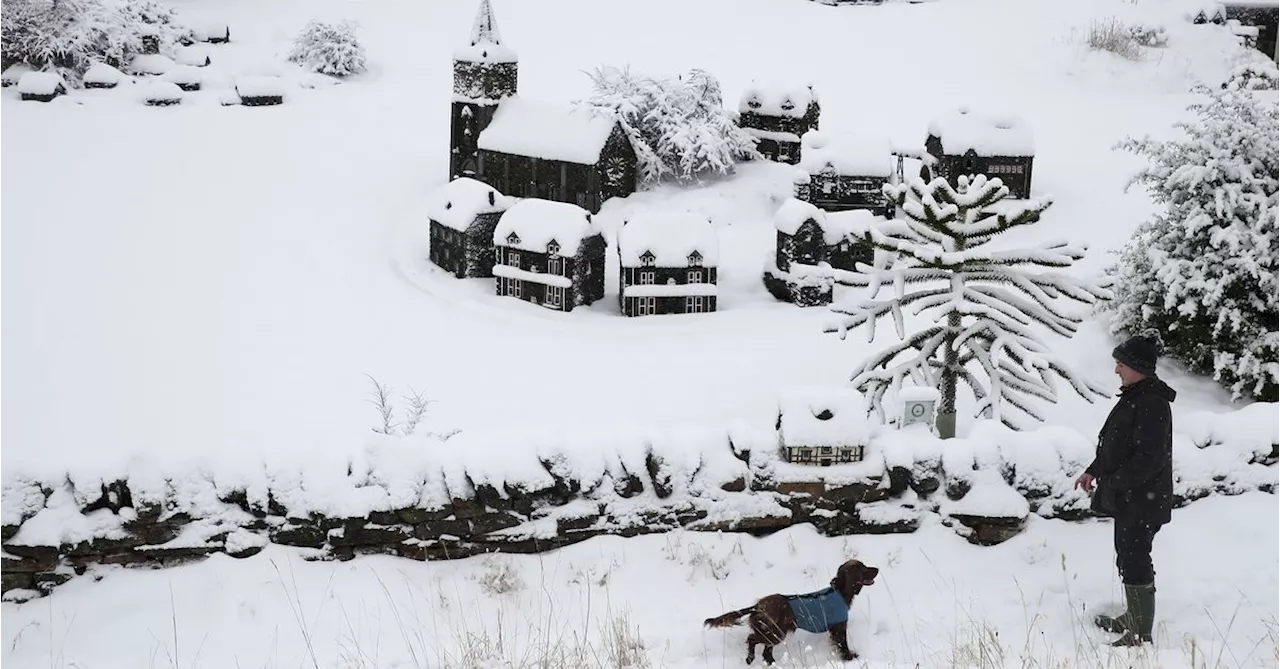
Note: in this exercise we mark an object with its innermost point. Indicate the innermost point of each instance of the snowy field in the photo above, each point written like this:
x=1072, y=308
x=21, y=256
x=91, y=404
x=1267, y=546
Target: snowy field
x=938, y=602
x=208, y=284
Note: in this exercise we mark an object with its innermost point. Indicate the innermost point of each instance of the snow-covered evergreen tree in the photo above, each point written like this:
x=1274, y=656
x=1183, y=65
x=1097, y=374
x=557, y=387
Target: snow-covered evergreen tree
x=329, y=48
x=679, y=128
x=1202, y=272
x=983, y=303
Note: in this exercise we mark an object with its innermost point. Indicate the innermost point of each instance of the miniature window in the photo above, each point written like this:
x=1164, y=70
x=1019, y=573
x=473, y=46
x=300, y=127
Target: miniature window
x=826, y=450
x=513, y=258
x=555, y=295
x=646, y=278
x=517, y=288
x=553, y=266
x=513, y=238
x=694, y=276
x=695, y=259
x=553, y=247
x=647, y=259
x=787, y=105
x=753, y=102
x=806, y=452
x=690, y=305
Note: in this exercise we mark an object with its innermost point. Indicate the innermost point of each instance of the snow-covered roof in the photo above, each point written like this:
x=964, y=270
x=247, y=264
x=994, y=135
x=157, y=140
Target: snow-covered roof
x=486, y=44
x=204, y=30
x=1249, y=3
x=773, y=99
x=184, y=74
x=101, y=73
x=670, y=236
x=986, y=134
x=259, y=87
x=14, y=72
x=823, y=417
x=537, y=223
x=527, y=127
x=39, y=83
x=844, y=155
x=458, y=202
x=196, y=54
x=835, y=226
x=162, y=91
x=153, y=63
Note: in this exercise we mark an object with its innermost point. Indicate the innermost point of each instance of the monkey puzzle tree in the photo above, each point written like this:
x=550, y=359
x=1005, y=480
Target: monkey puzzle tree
x=981, y=303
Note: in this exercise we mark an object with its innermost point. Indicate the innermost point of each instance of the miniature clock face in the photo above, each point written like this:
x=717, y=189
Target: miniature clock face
x=917, y=410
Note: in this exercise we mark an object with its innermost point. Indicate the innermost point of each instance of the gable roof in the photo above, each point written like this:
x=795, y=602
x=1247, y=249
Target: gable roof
x=985, y=134
x=823, y=417
x=671, y=237
x=845, y=156
x=537, y=223
x=457, y=204
x=774, y=99
x=552, y=131
x=835, y=226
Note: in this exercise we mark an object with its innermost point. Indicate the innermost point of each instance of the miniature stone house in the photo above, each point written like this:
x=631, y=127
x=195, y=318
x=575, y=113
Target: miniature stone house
x=778, y=116
x=811, y=246
x=1262, y=16
x=966, y=142
x=822, y=426
x=528, y=148
x=463, y=218
x=550, y=254
x=846, y=174
x=667, y=264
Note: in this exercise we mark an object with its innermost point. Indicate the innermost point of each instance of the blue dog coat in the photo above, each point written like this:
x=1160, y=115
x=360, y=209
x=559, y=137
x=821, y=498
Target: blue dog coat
x=818, y=611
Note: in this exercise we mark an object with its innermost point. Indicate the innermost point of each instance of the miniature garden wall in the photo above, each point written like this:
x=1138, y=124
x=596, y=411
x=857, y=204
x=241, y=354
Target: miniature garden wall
x=527, y=492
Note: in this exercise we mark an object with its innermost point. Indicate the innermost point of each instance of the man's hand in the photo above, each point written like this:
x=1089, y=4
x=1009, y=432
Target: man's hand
x=1085, y=482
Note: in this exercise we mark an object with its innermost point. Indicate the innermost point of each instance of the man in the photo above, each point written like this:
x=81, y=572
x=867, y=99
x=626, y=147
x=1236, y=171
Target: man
x=1133, y=473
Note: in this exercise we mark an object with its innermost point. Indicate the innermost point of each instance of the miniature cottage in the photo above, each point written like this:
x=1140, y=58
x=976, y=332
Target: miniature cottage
x=668, y=264
x=162, y=94
x=260, y=91
x=41, y=86
x=822, y=426
x=101, y=75
x=549, y=253
x=527, y=148
x=1262, y=15
x=846, y=174
x=778, y=116
x=463, y=219
x=811, y=243
x=967, y=142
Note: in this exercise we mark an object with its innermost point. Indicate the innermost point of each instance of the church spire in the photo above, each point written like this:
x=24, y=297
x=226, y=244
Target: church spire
x=485, y=29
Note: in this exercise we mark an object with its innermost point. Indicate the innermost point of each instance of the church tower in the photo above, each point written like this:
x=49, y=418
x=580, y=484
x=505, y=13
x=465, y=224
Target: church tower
x=484, y=74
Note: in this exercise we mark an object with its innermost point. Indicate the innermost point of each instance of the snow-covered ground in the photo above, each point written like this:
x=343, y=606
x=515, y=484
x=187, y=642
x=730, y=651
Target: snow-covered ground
x=937, y=602
x=213, y=283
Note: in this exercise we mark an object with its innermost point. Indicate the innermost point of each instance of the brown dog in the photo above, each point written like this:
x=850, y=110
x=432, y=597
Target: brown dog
x=776, y=616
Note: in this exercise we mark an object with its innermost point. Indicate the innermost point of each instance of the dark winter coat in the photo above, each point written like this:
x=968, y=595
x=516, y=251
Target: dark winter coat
x=1133, y=468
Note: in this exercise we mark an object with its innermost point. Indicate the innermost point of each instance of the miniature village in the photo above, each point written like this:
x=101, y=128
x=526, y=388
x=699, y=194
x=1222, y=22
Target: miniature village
x=527, y=178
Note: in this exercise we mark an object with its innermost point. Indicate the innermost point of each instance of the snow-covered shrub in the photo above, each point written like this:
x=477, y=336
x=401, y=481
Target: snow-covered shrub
x=1113, y=36
x=679, y=127
x=1255, y=75
x=1203, y=271
x=500, y=576
x=101, y=75
x=72, y=35
x=981, y=303
x=329, y=48
x=1153, y=37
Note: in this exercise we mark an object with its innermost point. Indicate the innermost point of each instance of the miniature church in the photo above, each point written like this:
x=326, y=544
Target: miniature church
x=527, y=148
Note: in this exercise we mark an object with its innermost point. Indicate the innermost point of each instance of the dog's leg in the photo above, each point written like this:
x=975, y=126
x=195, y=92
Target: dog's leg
x=752, y=640
x=767, y=654
x=840, y=639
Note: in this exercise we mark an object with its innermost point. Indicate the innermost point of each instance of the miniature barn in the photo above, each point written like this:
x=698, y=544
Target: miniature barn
x=966, y=142
x=778, y=116
x=550, y=254
x=463, y=219
x=1262, y=15
x=822, y=426
x=845, y=173
x=528, y=148
x=668, y=264
x=808, y=239
x=41, y=86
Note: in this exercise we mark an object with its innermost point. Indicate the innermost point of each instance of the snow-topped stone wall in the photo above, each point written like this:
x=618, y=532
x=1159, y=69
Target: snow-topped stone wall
x=427, y=499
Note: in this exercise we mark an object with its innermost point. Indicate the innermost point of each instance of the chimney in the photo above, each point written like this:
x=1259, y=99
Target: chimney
x=491, y=198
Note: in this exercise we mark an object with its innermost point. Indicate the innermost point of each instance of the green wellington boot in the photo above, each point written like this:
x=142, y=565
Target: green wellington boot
x=1136, y=623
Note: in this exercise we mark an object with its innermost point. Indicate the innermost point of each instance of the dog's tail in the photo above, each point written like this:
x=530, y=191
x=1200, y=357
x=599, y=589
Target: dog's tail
x=729, y=619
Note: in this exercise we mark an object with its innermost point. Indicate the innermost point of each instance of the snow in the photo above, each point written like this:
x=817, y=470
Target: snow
x=154, y=64
x=509, y=272
x=39, y=83
x=964, y=130
x=775, y=135
x=486, y=42
x=845, y=156
x=671, y=237
x=457, y=204
x=794, y=213
x=527, y=127
x=776, y=99
x=260, y=87
x=196, y=55
x=161, y=91
x=990, y=496
x=184, y=75
x=670, y=290
x=14, y=72
x=835, y=226
x=803, y=424
x=203, y=30
x=537, y=223
x=919, y=394
x=101, y=73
